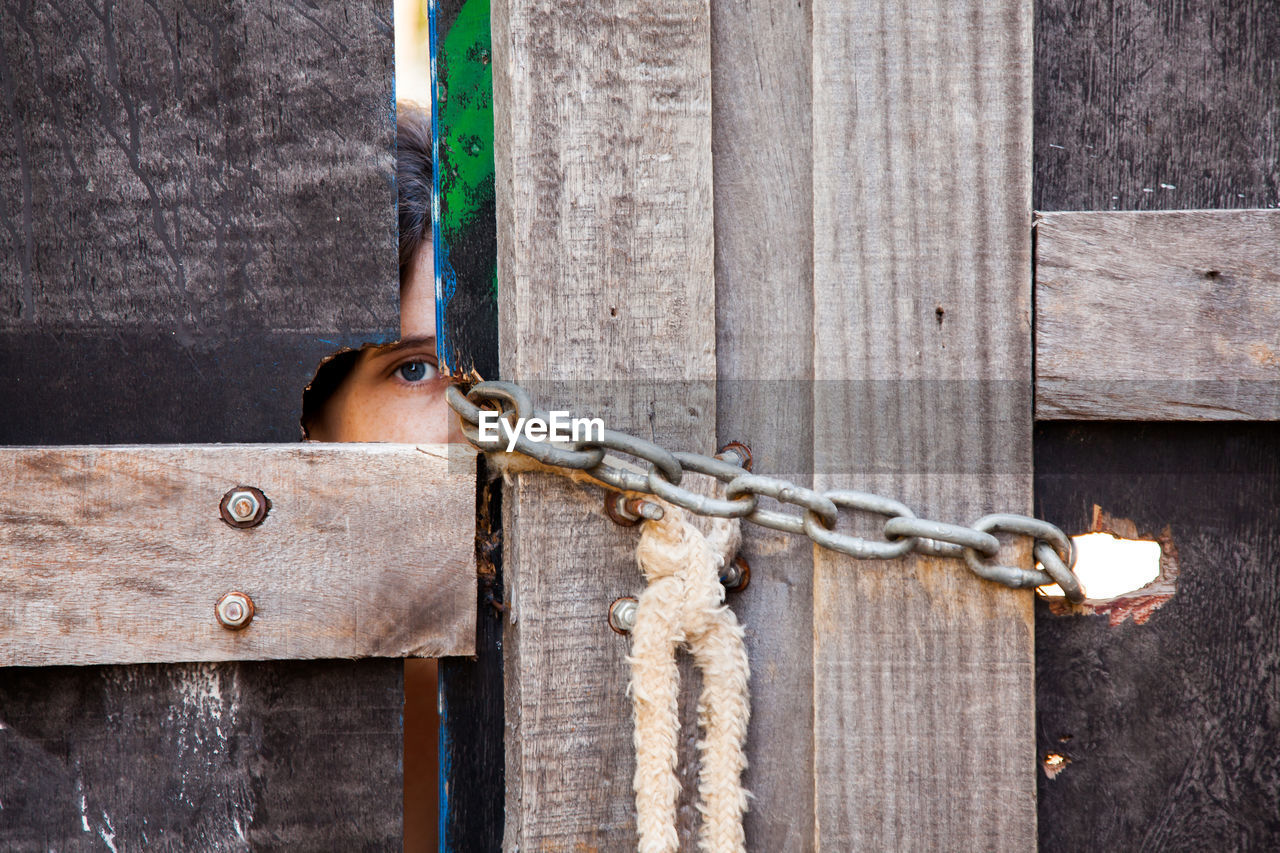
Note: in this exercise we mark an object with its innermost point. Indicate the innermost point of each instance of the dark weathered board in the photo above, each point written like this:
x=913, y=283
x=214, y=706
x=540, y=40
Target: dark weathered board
x=472, y=768
x=1164, y=105
x=213, y=757
x=1170, y=725
x=195, y=206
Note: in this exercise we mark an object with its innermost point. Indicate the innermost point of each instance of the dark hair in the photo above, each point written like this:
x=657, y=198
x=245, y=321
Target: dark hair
x=414, y=179
x=414, y=184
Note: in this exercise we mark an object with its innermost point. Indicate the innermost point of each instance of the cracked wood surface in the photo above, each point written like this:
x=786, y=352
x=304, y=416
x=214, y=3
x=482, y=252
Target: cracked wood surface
x=196, y=206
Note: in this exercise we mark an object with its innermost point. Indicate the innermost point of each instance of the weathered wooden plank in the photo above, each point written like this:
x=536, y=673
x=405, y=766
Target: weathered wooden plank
x=1139, y=95
x=197, y=206
x=472, y=769
x=225, y=757
x=1165, y=722
x=118, y=555
x=181, y=189
x=1161, y=105
x=1158, y=316
x=923, y=674
x=605, y=247
x=760, y=63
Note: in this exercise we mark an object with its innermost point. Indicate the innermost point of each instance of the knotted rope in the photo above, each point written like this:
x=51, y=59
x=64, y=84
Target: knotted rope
x=683, y=606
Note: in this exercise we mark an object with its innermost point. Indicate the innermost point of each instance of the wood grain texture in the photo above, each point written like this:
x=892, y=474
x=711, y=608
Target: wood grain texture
x=761, y=148
x=923, y=690
x=1171, y=104
x=1169, y=725
x=203, y=188
x=1158, y=315
x=223, y=757
x=172, y=268
x=118, y=555
x=607, y=306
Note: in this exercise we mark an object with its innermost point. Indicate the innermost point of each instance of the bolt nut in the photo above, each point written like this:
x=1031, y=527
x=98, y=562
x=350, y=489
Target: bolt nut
x=622, y=614
x=234, y=611
x=244, y=506
x=736, y=576
x=737, y=453
x=631, y=511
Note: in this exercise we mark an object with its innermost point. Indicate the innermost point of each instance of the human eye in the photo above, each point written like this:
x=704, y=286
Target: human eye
x=416, y=371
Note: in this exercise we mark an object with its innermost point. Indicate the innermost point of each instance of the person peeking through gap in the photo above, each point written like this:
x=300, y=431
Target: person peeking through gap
x=395, y=393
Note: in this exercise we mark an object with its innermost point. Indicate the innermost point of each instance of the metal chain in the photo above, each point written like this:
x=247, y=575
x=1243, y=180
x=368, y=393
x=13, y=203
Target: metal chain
x=976, y=544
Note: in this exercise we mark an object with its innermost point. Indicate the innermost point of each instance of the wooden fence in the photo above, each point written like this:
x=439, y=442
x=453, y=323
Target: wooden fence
x=807, y=227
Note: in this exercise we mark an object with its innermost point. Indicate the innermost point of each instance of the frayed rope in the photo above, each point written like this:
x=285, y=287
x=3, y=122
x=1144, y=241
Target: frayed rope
x=683, y=606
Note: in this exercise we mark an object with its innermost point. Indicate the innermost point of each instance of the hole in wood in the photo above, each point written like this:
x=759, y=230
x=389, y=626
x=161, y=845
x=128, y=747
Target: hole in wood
x=1126, y=573
x=1109, y=567
x=1053, y=764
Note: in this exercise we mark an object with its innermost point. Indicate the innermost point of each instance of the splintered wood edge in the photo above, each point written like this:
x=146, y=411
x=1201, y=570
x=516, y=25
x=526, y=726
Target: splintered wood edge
x=119, y=554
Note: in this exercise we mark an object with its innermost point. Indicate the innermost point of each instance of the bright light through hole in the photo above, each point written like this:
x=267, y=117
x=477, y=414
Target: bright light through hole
x=1109, y=567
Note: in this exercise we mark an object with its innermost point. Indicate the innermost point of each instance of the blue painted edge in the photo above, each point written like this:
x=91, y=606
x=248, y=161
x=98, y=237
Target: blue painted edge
x=446, y=280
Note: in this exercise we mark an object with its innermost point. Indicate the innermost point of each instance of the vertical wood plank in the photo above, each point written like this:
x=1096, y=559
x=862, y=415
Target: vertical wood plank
x=471, y=770
x=923, y=673
x=606, y=294
x=760, y=62
x=196, y=206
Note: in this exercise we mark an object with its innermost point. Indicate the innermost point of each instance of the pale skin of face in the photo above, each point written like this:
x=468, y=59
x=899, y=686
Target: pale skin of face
x=395, y=392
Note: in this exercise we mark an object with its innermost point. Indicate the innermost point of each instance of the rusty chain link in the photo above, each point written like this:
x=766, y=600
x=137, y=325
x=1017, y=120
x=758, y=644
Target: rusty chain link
x=976, y=544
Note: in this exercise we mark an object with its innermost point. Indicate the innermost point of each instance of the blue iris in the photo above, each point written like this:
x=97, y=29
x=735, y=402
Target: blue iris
x=413, y=371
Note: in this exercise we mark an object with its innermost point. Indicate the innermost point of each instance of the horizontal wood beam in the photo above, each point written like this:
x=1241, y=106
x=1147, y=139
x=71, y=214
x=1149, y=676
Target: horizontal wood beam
x=120, y=554
x=1158, y=315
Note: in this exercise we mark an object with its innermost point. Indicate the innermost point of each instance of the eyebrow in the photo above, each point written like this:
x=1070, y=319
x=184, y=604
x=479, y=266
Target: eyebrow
x=407, y=343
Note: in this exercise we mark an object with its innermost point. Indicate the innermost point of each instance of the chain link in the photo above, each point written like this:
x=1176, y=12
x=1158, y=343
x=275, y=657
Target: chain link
x=903, y=532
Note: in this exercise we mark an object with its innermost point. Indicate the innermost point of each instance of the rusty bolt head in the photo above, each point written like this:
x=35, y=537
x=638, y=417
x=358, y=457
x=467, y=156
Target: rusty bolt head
x=244, y=506
x=736, y=576
x=234, y=611
x=622, y=614
x=630, y=511
x=737, y=453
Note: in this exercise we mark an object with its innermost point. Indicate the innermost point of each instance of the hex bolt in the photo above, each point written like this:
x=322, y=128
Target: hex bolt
x=622, y=614
x=736, y=576
x=736, y=453
x=630, y=511
x=244, y=506
x=234, y=611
